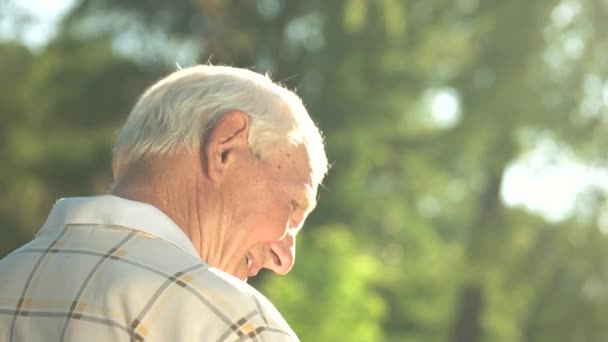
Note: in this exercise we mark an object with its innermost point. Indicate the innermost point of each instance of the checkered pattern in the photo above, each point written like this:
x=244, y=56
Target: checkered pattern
x=81, y=280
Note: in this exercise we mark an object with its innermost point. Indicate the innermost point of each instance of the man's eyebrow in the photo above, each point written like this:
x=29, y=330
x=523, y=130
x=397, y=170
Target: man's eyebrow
x=308, y=202
x=312, y=204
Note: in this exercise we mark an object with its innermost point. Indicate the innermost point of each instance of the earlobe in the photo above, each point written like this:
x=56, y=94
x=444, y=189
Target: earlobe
x=226, y=141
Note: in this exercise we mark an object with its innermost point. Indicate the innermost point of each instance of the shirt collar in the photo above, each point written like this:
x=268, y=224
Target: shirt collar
x=116, y=211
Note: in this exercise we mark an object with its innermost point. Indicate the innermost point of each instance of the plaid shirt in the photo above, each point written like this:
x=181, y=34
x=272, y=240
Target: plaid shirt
x=108, y=269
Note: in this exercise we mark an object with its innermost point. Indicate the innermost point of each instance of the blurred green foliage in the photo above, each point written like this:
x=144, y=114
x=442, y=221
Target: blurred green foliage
x=343, y=293
x=411, y=240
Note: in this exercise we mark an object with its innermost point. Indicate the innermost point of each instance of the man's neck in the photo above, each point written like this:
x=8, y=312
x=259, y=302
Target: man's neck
x=175, y=190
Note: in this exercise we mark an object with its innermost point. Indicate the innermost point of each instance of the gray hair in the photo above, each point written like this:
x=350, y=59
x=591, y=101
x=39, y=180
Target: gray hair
x=177, y=112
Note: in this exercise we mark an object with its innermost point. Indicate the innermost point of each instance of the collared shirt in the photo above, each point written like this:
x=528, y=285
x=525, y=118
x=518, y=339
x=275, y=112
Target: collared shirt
x=108, y=269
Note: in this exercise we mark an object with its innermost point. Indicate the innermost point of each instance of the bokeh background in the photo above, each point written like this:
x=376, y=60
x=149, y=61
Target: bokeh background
x=469, y=138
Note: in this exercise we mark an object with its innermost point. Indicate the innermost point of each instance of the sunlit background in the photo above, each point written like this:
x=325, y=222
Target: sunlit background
x=467, y=198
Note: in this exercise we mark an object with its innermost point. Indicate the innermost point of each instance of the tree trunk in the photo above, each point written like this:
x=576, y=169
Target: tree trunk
x=467, y=322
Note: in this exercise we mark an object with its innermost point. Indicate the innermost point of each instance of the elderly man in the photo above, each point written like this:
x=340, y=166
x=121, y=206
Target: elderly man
x=216, y=170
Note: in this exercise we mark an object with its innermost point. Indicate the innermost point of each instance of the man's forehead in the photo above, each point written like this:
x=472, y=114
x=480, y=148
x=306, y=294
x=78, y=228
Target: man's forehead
x=295, y=174
x=294, y=161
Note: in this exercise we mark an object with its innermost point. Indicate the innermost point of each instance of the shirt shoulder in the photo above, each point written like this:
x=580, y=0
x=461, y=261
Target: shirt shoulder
x=142, y=286
x=236, y=305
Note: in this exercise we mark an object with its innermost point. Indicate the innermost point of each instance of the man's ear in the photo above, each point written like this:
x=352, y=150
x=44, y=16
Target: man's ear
x=225, y=142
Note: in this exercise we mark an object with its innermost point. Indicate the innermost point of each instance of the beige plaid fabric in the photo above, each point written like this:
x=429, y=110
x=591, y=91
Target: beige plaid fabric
x=108, y=269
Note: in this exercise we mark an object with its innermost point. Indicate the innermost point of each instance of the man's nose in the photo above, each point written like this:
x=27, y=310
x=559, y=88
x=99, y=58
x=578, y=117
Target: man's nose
x=282, y=255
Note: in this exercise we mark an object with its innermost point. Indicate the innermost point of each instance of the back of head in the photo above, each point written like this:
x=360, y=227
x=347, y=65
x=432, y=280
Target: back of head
x=177, y=112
